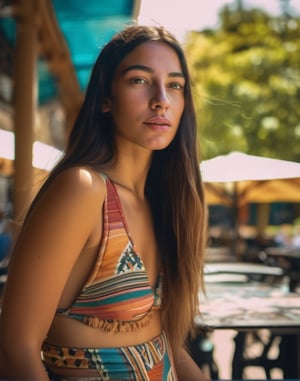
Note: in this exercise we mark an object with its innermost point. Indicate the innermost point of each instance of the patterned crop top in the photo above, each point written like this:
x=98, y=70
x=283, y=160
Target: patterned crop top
x=117, y=296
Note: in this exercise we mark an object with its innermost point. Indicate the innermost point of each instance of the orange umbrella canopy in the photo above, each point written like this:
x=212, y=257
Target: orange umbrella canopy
x=281, y=190
x=240, y=178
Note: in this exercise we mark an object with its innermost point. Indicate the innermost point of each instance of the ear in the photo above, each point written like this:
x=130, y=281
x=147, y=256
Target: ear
x=106, y=105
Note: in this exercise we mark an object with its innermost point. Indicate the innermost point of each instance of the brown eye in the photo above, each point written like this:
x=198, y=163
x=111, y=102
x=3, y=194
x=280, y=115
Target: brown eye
x=176, y=86
x=138, y=81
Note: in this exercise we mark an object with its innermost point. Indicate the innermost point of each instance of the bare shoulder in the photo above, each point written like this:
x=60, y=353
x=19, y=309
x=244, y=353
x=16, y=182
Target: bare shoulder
x=83, y=177
x=76, y=194
x=79, y=182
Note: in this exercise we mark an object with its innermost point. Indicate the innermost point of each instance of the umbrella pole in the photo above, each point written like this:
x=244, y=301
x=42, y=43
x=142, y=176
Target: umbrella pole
x=263, y=216
x=235, y=207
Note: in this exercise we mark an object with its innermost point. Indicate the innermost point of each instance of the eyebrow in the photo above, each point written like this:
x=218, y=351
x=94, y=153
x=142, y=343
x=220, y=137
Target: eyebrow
x=149, y=70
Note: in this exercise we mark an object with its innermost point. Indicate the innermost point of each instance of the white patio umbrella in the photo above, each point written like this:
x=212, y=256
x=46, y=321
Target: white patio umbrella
x=238, y=178
x=246, y=178
x=44, y=156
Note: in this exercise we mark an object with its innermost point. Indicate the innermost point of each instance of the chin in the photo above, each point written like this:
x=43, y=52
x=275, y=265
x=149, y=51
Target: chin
x=158, y=146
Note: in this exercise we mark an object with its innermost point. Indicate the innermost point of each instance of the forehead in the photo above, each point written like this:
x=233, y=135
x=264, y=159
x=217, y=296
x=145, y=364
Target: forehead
x=155, y=54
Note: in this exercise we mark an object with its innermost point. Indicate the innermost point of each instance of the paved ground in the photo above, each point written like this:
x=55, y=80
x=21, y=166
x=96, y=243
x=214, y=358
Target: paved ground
x=223, y=342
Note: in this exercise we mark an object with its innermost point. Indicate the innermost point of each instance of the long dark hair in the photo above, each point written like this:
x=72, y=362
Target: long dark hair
x=173, y=185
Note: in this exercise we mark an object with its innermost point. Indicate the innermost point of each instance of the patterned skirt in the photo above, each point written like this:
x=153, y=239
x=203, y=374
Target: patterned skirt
x=148, y=361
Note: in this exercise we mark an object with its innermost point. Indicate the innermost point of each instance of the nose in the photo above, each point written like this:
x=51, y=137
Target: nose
x=160, y=98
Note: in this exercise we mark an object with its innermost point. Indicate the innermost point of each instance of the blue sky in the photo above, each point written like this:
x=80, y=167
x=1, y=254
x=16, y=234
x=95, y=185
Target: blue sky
x=182, y=15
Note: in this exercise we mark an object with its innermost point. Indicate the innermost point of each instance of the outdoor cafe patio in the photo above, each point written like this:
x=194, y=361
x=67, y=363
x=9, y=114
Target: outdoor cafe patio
x=249, y=325
x=249, y=320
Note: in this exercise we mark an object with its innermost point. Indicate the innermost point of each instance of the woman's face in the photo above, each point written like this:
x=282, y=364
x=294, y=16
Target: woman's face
x=147, y=97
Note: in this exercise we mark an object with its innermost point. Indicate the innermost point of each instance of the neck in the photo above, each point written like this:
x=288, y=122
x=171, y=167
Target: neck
x=134, y=186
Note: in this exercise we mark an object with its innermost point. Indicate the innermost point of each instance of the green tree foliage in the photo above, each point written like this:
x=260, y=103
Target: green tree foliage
x=247, y=84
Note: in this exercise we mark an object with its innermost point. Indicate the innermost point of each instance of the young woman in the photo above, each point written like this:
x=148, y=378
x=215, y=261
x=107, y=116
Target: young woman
x=104, y=279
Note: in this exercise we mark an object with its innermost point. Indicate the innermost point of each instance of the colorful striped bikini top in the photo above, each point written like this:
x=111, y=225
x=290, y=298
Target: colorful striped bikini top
x=117, y=295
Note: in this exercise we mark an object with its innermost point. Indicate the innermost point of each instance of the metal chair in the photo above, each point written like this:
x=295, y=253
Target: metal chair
x=286, y=360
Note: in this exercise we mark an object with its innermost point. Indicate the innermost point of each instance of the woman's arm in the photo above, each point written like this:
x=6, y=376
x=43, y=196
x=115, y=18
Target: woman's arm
x=49, y=245
x=186, y=368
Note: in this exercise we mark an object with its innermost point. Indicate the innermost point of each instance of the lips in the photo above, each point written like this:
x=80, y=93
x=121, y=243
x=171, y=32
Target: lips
x=158, y=121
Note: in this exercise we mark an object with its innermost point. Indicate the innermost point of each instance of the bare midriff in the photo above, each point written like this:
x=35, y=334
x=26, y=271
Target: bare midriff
x=68, y=332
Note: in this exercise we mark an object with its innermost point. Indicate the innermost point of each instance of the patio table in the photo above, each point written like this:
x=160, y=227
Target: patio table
x=252, y=306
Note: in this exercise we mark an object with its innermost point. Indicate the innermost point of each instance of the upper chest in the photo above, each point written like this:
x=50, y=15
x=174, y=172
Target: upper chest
x=133, y=216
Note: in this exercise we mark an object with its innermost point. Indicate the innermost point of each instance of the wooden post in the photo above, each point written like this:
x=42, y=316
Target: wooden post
x=25, y=103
